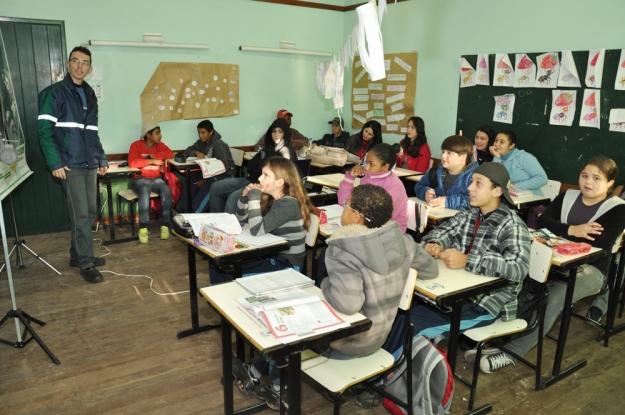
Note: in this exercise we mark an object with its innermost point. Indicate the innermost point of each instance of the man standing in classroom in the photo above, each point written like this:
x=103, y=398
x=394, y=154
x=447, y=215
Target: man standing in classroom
x=68, y=134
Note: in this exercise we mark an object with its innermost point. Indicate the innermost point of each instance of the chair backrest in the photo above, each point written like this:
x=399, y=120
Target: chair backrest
x=237, y=156
x=303, y=166
x=551, y=189
x=617, y=244
x=312, y=231
x=406, y=296
x=540, y=261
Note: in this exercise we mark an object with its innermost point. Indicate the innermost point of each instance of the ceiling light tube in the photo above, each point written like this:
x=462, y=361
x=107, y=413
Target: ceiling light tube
x=275, y=50
x=147, y=45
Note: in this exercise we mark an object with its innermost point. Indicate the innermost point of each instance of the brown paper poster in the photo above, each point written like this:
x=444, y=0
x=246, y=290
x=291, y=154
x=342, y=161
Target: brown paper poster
x=389, y=101
x=180, y=90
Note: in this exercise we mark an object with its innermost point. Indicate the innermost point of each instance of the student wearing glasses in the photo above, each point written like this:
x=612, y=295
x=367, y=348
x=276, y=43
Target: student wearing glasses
x=68, y=135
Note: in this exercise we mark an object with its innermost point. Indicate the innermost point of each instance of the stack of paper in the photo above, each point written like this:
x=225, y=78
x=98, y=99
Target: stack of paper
x=246, y=238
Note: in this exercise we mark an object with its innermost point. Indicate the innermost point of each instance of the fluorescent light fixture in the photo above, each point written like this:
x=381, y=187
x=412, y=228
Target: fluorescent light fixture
x=275, y=50
x=147, y=44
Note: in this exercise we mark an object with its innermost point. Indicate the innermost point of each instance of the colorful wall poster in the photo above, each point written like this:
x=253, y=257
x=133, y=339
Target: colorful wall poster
x=590, y=110
x=547, y=71
x=619, y=84
x=594, y=70
x=467, y=74
x=617, y=120
x=562, y=107
x=482, y=77
x=504, y=107
x=525, y=71
x=568, y=76
x=504, y=74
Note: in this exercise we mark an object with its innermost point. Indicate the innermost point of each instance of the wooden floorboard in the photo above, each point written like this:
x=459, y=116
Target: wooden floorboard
x=120, y=355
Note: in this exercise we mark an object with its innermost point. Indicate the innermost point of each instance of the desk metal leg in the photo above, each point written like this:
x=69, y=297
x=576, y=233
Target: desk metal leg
x=558, y=374
x=109, y=198
x=295, y=384
x=187, y=177
x=454, y=334
x=195, y=323
x=226, y=357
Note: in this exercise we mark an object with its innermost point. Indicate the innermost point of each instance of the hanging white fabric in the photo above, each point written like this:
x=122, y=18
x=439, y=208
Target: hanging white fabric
x=337, y=96
x=329, y=79
x=353, y=43
x=369, y=35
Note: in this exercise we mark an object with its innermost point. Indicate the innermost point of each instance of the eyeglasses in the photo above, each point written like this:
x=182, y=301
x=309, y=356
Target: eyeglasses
x=345, y=205
x=77, y=61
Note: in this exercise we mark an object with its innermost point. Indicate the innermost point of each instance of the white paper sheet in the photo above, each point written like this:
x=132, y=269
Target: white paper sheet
x=619, y=83
x=403, y=130
x=392, y=127
x=377, y=97
x=378, y=105
x=95, y=75
x=395, y=98
x=396, y=77
x=360, y=91
x=504, y=107
x=358, y=64
x=361, y=107
x=382, y=121
x=360, y=75
x=594, y=69
x=548, y=70
x=387, y=64
x=562, y=107
x=397, y=107
x=467, y=74
x=393, y=118
x=403, y=64
x=617, y=120
x=525, y=71
x=591, y=109
x=359, y=118
x=370, y=114
x=568, y=71
x=504, y=73
x=395, y=88
x=482, y=77
x=376, y=87
x=361, y=97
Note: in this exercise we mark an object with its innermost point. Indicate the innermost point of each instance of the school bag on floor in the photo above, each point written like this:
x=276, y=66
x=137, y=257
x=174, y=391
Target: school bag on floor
x=432, y=381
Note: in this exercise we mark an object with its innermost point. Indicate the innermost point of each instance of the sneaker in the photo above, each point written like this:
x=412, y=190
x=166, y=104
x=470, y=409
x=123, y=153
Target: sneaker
x=594, y=314
x=495, y=362
x=164, y=232
x=91, y=275
x=97, y=262
x=243, y=377
x=270, y=393
x=469, y=355
x=143, y=235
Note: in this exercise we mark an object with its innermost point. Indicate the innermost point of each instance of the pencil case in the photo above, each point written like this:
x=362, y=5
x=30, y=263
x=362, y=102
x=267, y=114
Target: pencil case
x=573, y=248
x=216, y=239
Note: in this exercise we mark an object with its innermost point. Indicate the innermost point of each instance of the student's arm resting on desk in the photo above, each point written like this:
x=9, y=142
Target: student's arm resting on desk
x=163, y=152
x=197, y=146
x=282, y=211
x=424, y=263
x=135, y=159
x=538, y=177
x=423, y=185
x=446, y=232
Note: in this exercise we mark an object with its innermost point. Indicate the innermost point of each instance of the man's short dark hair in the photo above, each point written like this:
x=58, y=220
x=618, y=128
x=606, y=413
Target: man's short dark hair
x=82, y=49
x=460, y=145
x=374, y=203
x=207, y=125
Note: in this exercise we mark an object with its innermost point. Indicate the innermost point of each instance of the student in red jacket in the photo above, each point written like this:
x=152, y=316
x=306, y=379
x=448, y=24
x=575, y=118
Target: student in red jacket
x=150, y=155
x=416, y=155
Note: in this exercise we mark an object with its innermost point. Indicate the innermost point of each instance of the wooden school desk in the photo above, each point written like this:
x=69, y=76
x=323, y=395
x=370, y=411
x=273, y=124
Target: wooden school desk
x=234, y=258
x=222, y=298
x=448, y=291
x=113, y=173
x=415, y=178
x=436, y=214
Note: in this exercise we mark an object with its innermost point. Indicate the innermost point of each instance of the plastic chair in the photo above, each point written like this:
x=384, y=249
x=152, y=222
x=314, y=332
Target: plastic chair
x=339, y=375
x=237, y=156
x=551, y=189
x=131, y=198
x=311, y=240
x=540, y=263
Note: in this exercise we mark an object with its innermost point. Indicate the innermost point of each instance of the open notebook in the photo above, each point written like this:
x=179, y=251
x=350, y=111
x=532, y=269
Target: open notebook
x=273, y=282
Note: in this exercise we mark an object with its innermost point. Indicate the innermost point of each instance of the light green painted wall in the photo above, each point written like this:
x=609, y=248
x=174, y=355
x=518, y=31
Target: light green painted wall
x=442, y=30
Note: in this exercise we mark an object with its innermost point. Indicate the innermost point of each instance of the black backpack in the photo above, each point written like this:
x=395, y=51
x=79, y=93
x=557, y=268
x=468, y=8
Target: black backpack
x=528, y=301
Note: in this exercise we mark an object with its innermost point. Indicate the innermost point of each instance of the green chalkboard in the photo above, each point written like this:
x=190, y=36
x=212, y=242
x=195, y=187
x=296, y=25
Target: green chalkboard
x=561, y=150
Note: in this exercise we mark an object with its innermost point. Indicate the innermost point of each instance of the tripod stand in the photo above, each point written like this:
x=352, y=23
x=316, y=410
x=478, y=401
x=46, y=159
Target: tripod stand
x=20, y=243
x=16, y=313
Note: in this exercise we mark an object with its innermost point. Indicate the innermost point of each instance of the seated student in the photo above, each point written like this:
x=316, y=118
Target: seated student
x=278, y=204
x=225, y=193
x=370, y=135
x=150, y=155
x=338, y=138
x=486, y=238
x=209, y=145
x=298, y=141
x=526, y=173
x=446, y=184
x=377, y=171
x=484, y=139
x=586, y=215
x=358, y=282
x=416, y=152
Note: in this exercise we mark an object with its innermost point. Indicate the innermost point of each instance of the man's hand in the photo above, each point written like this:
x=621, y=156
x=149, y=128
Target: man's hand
x=250, y=187
x=60, y=173
x=430, y=194
x=438, y=202
x=102, y=170
x=585, y=230
x=157, y=162
x=433, y=249
x=200, y=183
x=453, y=258
x=357, y=171
x=200, y=155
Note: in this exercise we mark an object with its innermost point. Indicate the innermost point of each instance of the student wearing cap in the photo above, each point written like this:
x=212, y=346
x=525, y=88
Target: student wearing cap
x=486, y=238
x=68, y=134
x=298, y=141
x=150, y=155
x=338, y=138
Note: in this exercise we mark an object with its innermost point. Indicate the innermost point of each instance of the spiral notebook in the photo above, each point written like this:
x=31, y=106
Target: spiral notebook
x=273, y=282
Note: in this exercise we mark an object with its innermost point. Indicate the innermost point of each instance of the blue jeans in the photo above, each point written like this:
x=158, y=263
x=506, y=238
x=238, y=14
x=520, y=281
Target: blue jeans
x=80, y=190
x=142, y=187
x=224, y=195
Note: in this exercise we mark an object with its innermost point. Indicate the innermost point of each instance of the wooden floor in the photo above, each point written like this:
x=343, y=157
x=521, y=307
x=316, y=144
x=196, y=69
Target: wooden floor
x=119, y=353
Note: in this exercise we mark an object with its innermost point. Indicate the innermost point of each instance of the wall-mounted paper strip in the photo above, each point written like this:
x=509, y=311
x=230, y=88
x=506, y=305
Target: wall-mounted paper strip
x=392, y=127
x=358, y=64
x=360, y=91
x=396, y=88
x=396, y=77
x=359, y=118
x=378, y=113
x=403, y=64
x=378, y=106
x=360, y=75
x=403, y=129
x=361, y=97
x=381, y=121
x=375, y=87
x=397, y=107
x=377, y=96
x=397, y=117
x=370, y=114
x=395, y=98
x=387, y=64
x=361, y=107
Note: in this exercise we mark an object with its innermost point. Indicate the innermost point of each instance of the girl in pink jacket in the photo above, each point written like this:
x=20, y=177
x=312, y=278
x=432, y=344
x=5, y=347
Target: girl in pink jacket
x=377, y=171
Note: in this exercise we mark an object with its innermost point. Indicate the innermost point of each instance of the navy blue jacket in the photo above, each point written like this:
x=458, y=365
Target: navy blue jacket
x=329, y=140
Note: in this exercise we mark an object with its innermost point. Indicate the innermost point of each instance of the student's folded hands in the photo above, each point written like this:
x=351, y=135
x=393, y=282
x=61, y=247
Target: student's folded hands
x=453, y=258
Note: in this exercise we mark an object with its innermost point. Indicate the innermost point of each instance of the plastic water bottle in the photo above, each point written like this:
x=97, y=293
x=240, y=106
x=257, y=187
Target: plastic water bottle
x=310, y=143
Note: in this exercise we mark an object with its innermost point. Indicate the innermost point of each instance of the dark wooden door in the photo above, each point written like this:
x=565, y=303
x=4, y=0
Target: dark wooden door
x=36, y=54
